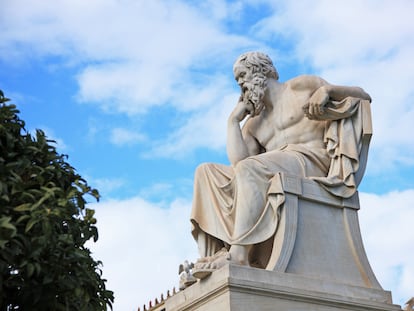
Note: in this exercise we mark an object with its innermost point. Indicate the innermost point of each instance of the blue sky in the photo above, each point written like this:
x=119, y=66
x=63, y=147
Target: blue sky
x=137, y=93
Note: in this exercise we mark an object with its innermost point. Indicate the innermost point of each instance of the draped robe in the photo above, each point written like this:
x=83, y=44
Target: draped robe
x=241, y=204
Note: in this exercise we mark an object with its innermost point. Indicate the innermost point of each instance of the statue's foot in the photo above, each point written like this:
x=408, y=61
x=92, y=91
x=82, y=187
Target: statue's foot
x=205, y=266
x=202, y=272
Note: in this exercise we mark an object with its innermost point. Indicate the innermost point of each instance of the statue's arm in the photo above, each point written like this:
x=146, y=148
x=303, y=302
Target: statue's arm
x=240, y=143
x=329, y=92
x=338, y=93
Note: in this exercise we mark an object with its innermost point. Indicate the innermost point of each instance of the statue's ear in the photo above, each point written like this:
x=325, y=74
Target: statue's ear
x=180, y=269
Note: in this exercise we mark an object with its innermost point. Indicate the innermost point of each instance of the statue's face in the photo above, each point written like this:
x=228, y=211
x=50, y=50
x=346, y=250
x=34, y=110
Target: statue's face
x=242, y=75
x=252, y=87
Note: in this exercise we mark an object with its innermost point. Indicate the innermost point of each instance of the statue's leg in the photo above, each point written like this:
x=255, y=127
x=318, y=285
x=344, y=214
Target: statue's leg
x=207, y=244
x=251, y=183
x=239, y=254
x=209, y=207
x=232, y=205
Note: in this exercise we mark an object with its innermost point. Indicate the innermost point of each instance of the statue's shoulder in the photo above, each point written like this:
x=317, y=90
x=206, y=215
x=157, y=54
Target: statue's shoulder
x=306, y=82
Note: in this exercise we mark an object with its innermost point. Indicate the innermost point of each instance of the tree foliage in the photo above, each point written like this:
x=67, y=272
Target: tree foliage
x=44, y=224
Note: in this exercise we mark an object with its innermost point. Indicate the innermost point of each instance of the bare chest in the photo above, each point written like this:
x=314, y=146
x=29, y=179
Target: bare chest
x=287, y=124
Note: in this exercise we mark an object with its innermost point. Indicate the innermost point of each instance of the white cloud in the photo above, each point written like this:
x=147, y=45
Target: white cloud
x=164, y=192
x=135, y=52
x=221, y=9
x=132, y=56
x=121, y=136
x=106, y=186
x=205, y=128
x=387, y=231
x=126, y=87
x=141, y=244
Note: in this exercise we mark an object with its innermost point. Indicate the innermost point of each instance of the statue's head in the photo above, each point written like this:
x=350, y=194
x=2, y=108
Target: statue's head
x=258, y=63
x=251, y=71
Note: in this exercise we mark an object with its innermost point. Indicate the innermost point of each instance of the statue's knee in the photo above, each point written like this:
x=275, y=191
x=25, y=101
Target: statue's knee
x=245, y=166
x=202, y=169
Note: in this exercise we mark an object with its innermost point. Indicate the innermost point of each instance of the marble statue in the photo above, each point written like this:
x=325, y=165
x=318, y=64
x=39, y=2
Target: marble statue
x=185, y=274
x=409, y=305
x=296, y=127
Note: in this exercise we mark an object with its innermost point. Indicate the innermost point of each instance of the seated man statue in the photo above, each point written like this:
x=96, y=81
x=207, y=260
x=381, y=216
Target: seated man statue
x=274, y=128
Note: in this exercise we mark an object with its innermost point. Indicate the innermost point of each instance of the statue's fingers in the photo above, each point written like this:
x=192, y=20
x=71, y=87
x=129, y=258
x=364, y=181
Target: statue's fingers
x=320, y=110
x=250, y=108
x=312, y=109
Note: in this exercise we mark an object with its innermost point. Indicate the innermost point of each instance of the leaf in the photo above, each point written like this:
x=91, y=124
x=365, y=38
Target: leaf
x=89, y=214
x=23, y=207
x=30, y=268
x=95, y=194
x=22, y=218
x=47, y=279
x=7, y=229
x=3, y=243
x=38, y=268
x=5, y=222
x=5, y=197
x=30, y=224
x=2, y=98
x=78, y=291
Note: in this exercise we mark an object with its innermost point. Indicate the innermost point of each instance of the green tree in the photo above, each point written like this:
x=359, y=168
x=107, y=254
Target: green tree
x=44, y=224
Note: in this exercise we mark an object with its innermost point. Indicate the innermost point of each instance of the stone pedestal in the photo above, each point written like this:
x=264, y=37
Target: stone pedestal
x=242, y=288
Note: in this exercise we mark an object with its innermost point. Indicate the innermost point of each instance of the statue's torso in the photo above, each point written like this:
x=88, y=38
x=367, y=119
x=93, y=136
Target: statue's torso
x=286, y=123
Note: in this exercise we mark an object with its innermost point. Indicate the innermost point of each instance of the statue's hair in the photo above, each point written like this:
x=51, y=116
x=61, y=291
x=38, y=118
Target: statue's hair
x=258, y=62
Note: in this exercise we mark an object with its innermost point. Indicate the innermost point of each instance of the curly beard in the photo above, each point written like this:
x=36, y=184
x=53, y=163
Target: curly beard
x=253, y=94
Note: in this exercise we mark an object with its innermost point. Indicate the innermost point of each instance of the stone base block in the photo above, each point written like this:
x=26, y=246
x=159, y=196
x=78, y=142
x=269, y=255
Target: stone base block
x=244, y=288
